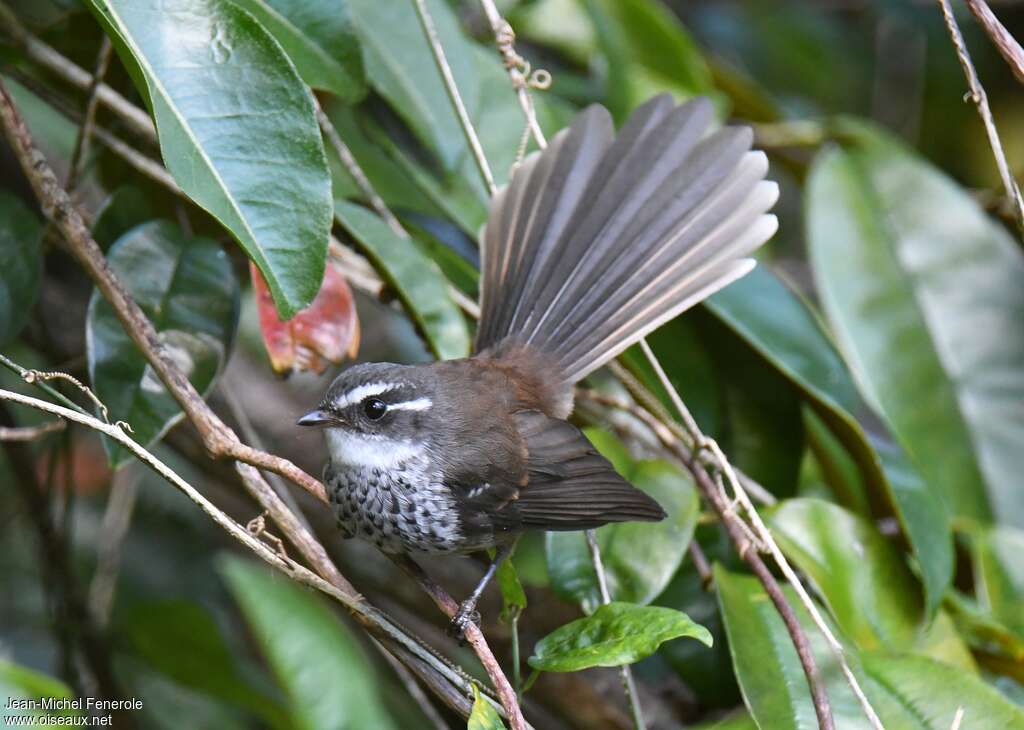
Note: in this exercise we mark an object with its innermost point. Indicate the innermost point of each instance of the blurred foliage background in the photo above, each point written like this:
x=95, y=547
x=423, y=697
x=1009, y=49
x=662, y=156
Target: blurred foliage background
x=869, y=375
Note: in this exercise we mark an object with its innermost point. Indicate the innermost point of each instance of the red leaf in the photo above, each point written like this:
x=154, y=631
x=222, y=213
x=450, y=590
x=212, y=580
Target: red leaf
x=325, y=331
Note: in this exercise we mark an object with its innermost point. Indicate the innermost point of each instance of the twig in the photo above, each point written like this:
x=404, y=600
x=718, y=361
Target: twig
x=454, y=96
x=474, y=637
x=762, y=533
x=980, y=98
x=1005, y=43
x=353, y=169
x=518, y=69
x=45, y=55
x=957, y=718
x=219, y=440
x=76, y=632
x=116, y=520
x=31, y=433
x=386, y=628
x=415, y=691
x=700, y=563
x=89, y=117
x=377, y=203
x=628, y=685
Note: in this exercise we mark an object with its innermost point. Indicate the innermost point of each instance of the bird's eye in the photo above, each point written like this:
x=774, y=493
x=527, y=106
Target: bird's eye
x=374, y=408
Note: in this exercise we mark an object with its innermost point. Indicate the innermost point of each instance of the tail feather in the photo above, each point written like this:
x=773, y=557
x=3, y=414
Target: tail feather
x=602, y=238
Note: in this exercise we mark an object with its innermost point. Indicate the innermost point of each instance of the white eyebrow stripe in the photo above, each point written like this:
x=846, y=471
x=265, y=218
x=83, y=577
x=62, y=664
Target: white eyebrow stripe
x=364, y=391
x=419, y=404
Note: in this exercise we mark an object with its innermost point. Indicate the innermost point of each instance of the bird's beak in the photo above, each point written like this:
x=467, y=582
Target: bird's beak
x=316, y=418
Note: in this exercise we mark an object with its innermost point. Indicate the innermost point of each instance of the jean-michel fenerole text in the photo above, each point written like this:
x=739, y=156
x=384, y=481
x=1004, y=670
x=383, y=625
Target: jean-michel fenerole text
x=82, y=704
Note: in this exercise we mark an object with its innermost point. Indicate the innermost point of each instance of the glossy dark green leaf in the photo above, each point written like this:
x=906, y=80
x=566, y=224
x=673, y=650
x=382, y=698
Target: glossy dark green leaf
x=401, y=67
x=181, y=640
x=124, y=209
x=925, y=522
x=187, y=289
x=773, y=320
x=639, y=558
x=767, y=666
x=763, y=425
x=707, y=672
x=417, y=279
x=320, y=40
x=615, y=634
x=860, y=576
x=237, y=130
x=21, y=265
x=998, y=557
x=916, y=280
x=918, y=693
x=327, y=679
x=483, y=715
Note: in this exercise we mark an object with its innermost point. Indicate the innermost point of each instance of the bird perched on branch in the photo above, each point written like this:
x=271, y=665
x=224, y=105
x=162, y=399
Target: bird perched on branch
x=594, y=243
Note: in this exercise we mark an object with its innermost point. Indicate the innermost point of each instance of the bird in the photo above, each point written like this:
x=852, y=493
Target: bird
x=596, y=241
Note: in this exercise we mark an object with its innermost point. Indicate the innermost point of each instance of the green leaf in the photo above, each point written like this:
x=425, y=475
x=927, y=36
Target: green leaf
x=329, y=683
x=915, y=278
x=998, y=557
x=483, y=716
x=615, y=634
x=418, y=281
x=918, y=693
x=767, y=666
x=21, y=683
x=320, y=40
x=123, y=209
x=860, y=576
x=21, y=265
x=779, y=325
x=187, y=289
x=763, y=424
x=237, y=131
x=648, y=51
x=513, y=597
x=387, y=177
x=908, y=692
x=181, y=640
x=401, y=67
x=639, y=558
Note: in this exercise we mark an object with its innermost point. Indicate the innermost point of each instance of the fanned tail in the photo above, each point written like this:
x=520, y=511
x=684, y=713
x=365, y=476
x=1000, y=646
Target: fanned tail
x=601, y=238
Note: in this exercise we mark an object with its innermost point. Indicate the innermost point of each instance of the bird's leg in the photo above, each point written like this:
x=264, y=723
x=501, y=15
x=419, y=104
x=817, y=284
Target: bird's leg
x=467, y=612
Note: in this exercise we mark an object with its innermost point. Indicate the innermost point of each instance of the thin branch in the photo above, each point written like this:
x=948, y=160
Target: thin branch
x=628, y=685
x=46, y=56
x=415, y=691
x=377, y=203
x=702, y=442
x=89, y=117
x=1005, y=43
x=353, y=169
x=980, y=98
x=218, y=439
x=518, y=69
x=472, y=139
x=31, y=433
x=117, y=518
x=76, y=632
x=387, y=629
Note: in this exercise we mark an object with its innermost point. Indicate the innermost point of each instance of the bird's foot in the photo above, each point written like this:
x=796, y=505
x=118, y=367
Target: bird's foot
x=466, y=615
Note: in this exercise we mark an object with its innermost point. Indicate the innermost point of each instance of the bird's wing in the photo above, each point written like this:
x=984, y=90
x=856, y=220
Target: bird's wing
x=570, y=486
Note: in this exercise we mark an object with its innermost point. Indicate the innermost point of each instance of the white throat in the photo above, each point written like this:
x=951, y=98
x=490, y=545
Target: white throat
x=369, y=450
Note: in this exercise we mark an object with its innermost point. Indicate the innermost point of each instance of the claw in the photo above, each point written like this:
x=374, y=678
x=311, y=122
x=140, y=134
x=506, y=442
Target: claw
x=466, y=615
